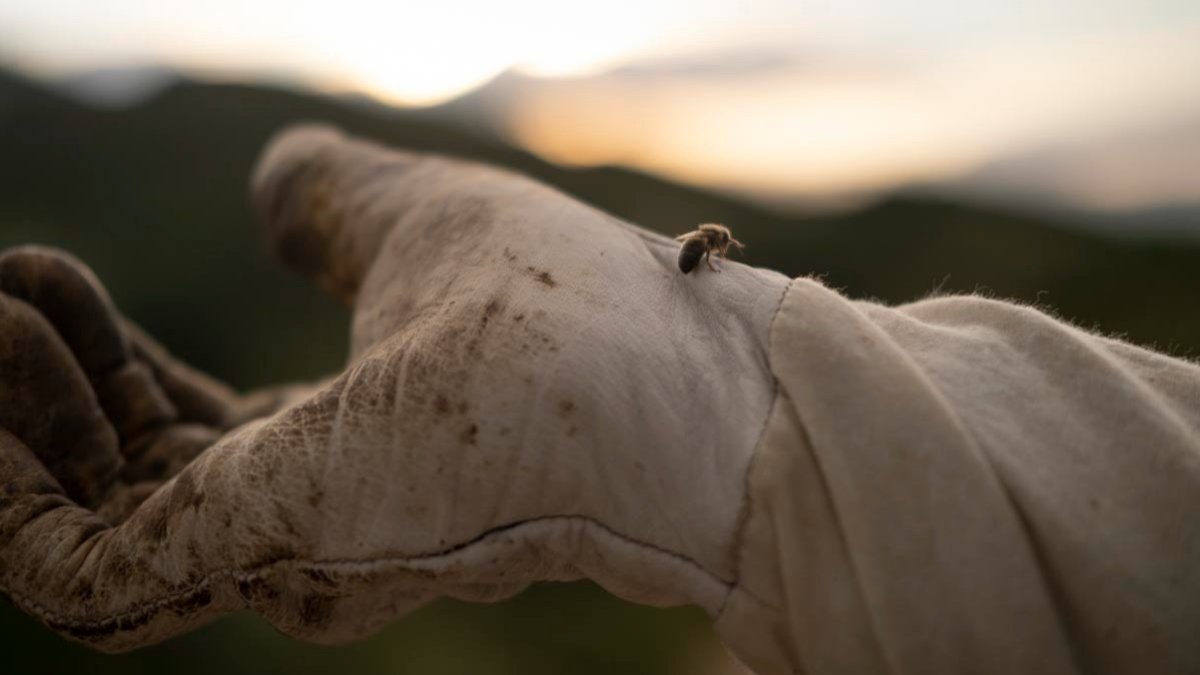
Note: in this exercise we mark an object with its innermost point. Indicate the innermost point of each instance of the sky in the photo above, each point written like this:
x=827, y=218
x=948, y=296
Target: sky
x=784, y=99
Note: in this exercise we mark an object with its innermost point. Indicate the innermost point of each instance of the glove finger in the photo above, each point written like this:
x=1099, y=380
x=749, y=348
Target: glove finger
x=114, y=352
x=64, y=565
x=304, y=191
x=66, y=292
x=46, y=401
x=245, y=524
x=329, y=203
x=125, y=373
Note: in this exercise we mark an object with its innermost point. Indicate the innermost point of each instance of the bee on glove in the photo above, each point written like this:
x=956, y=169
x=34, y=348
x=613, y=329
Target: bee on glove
x=702, y=242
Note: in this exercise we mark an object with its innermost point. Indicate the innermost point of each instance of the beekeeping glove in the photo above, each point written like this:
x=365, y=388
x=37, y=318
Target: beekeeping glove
x=534, y=392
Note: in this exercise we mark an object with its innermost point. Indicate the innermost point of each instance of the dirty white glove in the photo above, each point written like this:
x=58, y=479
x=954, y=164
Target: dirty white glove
x=534, y=392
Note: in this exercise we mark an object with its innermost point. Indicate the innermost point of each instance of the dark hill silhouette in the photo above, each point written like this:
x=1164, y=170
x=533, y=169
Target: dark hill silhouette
x=154, y=198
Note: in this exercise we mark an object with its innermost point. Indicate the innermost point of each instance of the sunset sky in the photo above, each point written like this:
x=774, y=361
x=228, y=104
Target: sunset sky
x=773, y=97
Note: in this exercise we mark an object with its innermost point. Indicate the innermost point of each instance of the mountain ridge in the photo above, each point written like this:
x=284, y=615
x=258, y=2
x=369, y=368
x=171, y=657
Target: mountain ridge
x=167, y=179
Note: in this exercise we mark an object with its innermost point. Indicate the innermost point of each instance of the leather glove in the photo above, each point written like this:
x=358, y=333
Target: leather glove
x=534, y=392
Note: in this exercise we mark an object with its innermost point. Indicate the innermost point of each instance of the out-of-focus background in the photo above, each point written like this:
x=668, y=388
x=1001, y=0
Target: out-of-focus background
x=1047, y=152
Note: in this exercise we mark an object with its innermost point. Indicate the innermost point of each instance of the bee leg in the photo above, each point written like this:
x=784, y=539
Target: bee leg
x=708, y=259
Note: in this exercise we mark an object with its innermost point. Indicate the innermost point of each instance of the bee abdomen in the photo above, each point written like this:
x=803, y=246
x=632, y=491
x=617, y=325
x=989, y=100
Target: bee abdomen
x=690, y=254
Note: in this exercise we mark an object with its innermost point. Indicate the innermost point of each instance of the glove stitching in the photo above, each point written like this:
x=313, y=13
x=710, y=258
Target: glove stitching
x=744, y=509
x=138, y=615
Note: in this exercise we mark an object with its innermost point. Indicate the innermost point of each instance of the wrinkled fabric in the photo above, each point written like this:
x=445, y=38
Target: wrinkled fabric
x=963, y=485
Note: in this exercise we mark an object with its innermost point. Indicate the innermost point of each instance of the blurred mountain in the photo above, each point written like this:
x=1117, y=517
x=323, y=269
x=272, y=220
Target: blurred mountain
x=117, y=87
x=1157, y=165
x=487, y=106
x=1120, y=170
x=153, y=196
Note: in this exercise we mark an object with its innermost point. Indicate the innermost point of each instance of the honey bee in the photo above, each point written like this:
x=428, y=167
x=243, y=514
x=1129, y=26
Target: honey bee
x=701, y=242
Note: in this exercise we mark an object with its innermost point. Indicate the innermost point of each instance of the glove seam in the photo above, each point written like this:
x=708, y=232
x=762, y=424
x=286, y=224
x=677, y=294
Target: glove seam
x=199, y=593
x=745, y=508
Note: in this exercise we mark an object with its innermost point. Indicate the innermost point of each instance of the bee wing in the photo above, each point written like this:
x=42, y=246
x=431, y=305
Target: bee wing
x=687, y=235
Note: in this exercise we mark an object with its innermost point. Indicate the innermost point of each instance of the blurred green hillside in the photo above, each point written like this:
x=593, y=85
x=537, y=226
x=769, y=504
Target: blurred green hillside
x=153, y=198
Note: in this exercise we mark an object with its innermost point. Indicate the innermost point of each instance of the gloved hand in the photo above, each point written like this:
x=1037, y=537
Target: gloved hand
x=534, y=392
